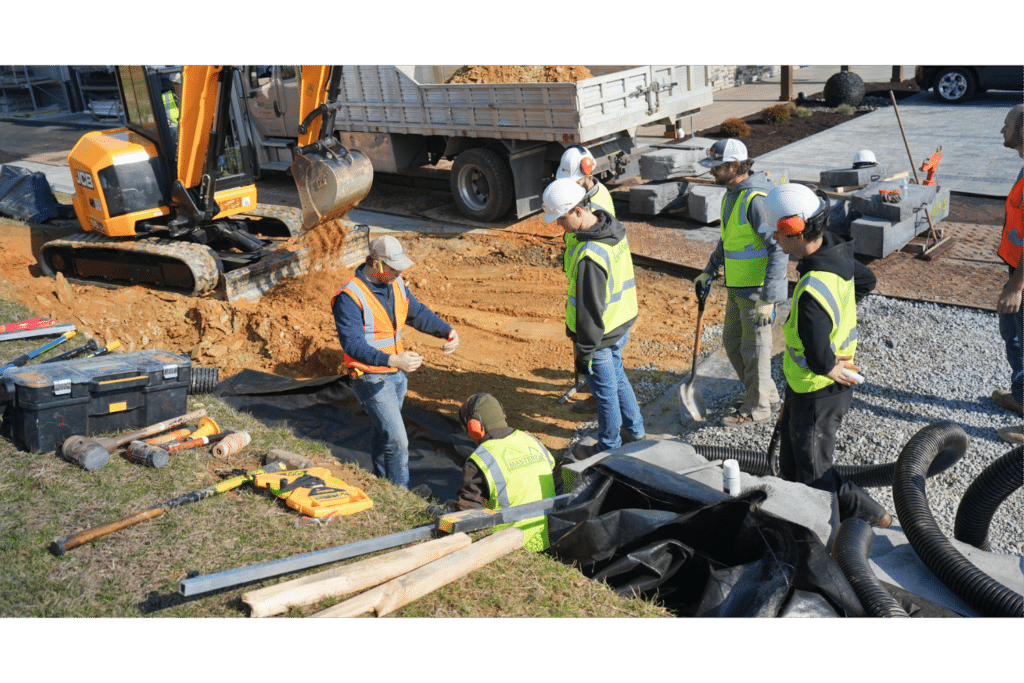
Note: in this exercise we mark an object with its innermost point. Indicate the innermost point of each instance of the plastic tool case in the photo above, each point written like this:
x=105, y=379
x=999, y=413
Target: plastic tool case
x=45, y=404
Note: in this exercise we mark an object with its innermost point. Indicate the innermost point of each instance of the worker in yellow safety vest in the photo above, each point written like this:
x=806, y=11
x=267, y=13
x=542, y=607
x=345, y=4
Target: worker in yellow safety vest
x=821, y=342
x=1010, y=305
x=755, y=278
x=370, y=313
x=172, y=98
x=600, y=310
x=509, y=467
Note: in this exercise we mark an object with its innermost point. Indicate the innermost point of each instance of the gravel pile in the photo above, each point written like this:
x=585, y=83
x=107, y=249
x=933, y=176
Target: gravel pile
x=924, y=363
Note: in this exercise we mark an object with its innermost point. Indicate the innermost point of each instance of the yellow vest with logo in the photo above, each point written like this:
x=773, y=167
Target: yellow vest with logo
x=601, y=200
x=518, y=470
x=746, y=257
x=836, y=296
x=620, y=290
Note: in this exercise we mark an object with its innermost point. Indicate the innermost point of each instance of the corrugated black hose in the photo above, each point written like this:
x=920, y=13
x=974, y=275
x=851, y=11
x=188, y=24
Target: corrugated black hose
x=984, y=496
x=970, y=584
x=851, y=550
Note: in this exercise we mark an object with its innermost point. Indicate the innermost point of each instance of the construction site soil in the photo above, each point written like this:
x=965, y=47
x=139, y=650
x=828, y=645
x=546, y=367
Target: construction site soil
x=502, y=290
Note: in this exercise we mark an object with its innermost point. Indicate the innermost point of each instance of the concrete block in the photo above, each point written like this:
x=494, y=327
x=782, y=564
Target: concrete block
x=653, y=198
x=704, y=203
x=878, y=237
x=847, y=177
x=662, y=164
x=869, y=202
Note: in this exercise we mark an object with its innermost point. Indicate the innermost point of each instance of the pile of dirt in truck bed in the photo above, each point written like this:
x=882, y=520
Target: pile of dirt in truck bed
x=520, y=74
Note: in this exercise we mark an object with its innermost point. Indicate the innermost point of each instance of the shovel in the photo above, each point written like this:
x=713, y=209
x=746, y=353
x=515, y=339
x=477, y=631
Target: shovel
x=330, y=179
x=689, y=393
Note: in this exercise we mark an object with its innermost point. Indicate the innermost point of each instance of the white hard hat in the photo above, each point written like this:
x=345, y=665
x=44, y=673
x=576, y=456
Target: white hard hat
x=791, y=200
x=560, y=197
x=864, y=157
x=577, y=162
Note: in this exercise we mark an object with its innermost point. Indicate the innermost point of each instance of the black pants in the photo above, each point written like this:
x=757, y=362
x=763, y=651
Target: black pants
x=806, y=446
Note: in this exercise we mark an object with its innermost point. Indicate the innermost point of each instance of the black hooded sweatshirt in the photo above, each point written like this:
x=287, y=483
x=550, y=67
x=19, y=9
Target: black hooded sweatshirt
x=591, y=280
x=835, y=255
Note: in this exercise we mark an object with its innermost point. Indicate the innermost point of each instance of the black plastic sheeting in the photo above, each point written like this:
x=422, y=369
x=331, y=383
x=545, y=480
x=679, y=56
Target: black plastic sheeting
x=326, y=410
x=26, y=196
x=650, y=532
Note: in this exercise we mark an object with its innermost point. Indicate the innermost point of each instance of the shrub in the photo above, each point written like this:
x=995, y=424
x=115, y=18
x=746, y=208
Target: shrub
x=803, y=112
x=778, y=113
x=846, y=109
x=735, y=128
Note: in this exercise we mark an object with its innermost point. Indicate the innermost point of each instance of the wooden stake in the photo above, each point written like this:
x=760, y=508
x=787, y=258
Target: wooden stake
x=349, y=578
x=401, y=591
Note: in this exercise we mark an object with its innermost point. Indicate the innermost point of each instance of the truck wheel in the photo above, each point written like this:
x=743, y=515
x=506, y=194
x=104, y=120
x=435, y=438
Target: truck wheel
x=954, y=85
x=482, y=184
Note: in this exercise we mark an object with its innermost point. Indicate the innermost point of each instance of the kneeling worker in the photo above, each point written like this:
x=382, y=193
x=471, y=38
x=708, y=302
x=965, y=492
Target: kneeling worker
x=508, y=468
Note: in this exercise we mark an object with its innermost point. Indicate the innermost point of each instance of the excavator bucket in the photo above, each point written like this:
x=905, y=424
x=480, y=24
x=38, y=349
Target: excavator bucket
x=330, y=183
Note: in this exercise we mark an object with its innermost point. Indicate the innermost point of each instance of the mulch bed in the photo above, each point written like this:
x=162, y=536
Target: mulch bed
x=767, y=137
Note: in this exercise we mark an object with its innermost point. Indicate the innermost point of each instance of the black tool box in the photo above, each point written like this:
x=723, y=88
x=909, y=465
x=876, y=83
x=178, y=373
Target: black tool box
x=47, y=403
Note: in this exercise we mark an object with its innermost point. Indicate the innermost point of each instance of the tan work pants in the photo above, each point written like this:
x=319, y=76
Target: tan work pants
x=749, y=349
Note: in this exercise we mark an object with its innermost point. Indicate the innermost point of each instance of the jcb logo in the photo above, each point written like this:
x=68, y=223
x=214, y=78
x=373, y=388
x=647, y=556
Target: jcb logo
x=84, y=179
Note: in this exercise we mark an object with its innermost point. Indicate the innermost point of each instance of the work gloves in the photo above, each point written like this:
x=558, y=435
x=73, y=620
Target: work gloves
x=764, y=313
x=702, y=283
x=584, y=367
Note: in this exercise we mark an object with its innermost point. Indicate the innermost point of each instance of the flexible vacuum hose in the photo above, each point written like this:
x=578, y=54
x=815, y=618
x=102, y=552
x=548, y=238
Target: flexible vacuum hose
x=850, y=550
x=973, y=586
x=984, y=496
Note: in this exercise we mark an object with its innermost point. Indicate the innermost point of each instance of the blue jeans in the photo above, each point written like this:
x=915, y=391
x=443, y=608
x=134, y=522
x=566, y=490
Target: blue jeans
x=617, y=406
x=381, y=395
x=1010, y=325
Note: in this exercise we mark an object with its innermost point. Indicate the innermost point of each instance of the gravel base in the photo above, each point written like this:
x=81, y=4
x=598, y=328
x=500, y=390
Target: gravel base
x=924, y=363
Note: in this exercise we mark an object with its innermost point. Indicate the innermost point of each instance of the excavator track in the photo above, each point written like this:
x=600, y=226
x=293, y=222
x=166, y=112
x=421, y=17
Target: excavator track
x=96, y=259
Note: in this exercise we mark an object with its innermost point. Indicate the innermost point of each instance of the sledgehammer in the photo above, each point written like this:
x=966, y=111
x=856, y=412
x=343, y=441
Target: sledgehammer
x=148, y=454
x=92, y=454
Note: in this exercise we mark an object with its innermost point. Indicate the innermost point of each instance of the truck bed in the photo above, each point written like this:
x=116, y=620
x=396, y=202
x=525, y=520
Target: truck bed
x=389, y=99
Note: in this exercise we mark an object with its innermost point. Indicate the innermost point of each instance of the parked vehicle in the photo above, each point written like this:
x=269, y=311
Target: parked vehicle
x=955, y=84
x=504, y=139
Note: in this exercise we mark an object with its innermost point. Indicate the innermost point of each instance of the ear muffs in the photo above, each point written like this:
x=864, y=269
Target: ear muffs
x=587, y=166
x=475, y=429
x=794, y=225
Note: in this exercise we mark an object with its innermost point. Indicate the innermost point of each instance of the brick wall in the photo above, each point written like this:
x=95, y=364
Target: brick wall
x=729, y=76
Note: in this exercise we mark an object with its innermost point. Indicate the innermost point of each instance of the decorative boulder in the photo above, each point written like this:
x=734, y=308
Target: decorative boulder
x=844, y=87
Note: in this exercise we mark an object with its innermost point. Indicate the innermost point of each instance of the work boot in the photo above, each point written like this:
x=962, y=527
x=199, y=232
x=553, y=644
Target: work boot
x=587, y=406
x=583, y=451
x=884, y=521
x=1004, y=399
x=628, y=438
x=1014, y=435
x=423, y=491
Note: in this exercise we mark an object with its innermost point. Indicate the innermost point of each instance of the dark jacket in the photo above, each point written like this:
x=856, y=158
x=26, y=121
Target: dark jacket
x=473, y=487
x=813, y=322
x=348, y=318
x=591, y=281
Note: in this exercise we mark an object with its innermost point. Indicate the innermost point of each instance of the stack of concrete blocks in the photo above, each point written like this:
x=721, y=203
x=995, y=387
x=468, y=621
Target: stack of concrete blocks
x=849, y=177
x=705, y=201
x=886, y=227
x=658, y=167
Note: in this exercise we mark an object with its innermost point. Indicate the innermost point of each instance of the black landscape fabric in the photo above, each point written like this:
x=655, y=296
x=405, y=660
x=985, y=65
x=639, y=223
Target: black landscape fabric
x=326, y=410
x=648, y=531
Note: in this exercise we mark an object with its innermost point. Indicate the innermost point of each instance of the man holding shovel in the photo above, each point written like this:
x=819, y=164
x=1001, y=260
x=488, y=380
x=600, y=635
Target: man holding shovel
x=755, y=276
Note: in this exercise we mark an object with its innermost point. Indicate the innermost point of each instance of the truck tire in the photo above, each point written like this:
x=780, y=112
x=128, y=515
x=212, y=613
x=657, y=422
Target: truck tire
x=481, y=183
x=954, y=85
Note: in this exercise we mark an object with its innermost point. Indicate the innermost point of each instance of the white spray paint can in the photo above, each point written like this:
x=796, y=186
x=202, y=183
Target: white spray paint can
x=731, y=478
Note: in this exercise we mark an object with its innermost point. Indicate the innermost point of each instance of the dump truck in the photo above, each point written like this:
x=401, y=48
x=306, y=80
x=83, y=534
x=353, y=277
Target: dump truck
x=504, y=139
x=169, y=200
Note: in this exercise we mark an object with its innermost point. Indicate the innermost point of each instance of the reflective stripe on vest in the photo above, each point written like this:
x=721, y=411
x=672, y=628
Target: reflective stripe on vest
x=1013, y=225
x=746, y=257
x=378, y=330
x=518, y=470
x=171, y=106
x=620, y=291
x=836, y=295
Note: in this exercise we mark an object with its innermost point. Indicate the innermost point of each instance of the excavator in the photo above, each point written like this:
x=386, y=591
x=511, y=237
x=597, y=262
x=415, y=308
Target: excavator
x=169, y=200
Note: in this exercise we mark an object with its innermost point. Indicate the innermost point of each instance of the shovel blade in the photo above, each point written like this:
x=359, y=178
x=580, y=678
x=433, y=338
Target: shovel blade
x=691, y=403
x=330, y=184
